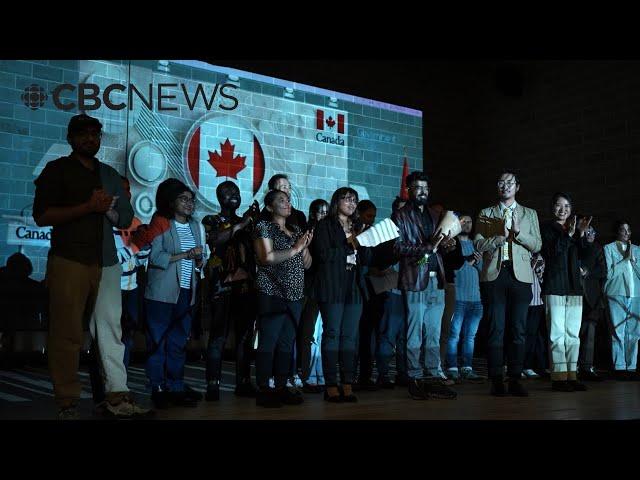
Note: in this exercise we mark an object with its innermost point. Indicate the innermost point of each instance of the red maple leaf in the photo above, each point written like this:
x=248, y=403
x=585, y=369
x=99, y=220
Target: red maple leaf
x=331, y=122
x=226, y=165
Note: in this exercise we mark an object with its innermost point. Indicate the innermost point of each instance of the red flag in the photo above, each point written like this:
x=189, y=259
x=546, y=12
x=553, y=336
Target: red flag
x=404, y=194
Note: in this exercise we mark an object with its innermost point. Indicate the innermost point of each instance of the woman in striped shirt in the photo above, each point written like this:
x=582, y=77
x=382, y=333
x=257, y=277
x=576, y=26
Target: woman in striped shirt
x=175, y=266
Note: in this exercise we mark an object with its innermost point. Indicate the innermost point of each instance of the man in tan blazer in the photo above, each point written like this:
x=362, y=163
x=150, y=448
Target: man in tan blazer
x=507, y=235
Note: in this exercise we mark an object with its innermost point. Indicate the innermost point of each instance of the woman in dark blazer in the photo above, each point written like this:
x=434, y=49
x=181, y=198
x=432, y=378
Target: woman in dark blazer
x=339, y=289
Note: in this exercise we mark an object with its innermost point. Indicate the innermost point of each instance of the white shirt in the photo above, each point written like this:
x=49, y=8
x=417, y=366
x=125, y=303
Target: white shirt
x=629, y=268
x=507, y=214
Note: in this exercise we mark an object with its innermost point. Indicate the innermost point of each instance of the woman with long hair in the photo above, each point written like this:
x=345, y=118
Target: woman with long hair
x=563, y=248
x=339, y=289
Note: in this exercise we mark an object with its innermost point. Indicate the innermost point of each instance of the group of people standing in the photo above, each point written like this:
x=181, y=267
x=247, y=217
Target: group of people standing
x=320, y=303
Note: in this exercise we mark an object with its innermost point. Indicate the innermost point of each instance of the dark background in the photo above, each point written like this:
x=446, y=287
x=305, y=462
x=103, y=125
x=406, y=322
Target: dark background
x=564, y=125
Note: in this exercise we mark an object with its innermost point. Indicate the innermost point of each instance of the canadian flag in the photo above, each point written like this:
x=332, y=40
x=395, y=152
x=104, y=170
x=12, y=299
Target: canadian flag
x=404, y=195
x=332, y=121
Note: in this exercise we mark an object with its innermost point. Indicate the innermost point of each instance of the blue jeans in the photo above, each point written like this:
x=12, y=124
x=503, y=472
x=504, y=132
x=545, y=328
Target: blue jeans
x=339, y=333
x=625, y=325
x=389, y=333
x=465, y=322
x=168, y=327
x=423, y=322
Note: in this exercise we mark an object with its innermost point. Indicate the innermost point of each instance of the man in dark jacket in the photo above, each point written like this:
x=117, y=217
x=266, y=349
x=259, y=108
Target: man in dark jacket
x=422, y=252
x=593, y=270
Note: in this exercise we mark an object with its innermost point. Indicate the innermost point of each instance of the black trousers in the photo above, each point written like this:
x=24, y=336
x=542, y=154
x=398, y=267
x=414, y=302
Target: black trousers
x=277, y=321
x=535, y=356
x=590, y=318
x=304, y=339
x=507, y=301
x=372, y=311
x=237, y=309
x=339, y=335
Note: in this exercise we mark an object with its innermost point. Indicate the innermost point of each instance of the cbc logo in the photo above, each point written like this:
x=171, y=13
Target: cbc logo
x=34, y=96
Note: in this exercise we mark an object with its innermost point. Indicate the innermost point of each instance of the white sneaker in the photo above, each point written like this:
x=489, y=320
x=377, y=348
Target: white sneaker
x=528, y=373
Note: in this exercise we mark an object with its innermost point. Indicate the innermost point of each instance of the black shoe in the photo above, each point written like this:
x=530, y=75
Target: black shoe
x=561, y=386
x=160, y=399
x=633, y=376
x=577, y=386
x=435, y=389
x=332, y=398
x=192, y=394
x=402, y=381
x=180, y=399
x=308, y=388
x=385, y=383
x=367, y=385
x=621, y=375
x=516, y=389
x=497, y=388
x=268, y=399
x=213, y=392
x=416, y=391
x=290, y=396
x=246, y=390
x=590, y=376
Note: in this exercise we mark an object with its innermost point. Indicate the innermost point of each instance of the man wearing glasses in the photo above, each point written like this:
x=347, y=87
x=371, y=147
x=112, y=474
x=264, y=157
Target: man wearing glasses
x=423, y=251
x=507, y=235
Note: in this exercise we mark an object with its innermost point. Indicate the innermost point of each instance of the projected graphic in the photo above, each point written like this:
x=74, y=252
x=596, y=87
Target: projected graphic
x=200, y=123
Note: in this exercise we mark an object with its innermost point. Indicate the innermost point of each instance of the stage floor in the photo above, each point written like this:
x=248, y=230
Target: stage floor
x=26, y=394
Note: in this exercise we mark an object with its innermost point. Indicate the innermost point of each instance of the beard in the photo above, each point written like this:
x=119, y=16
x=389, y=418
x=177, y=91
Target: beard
x=421, y=200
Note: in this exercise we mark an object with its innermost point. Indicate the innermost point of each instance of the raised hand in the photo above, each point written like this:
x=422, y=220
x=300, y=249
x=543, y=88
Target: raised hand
x=583, y=225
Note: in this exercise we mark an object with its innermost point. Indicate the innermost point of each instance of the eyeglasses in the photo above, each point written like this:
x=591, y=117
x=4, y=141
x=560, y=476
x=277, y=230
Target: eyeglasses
x=419, y=188
x=506, y=184
x=349, y=200
x=187, y=200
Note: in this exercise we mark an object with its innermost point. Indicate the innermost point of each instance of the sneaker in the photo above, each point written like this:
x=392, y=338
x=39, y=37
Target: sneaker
x=442, y=379
x=516, y=389
x=246, y=389
x=416, y=391
x=68, y=413
x=529, y=373
x=469, y=376
x=589, y=375
x=438, y=390
x=296, y=381
x=122, y=409
x=453, y=374
x=138, y=411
